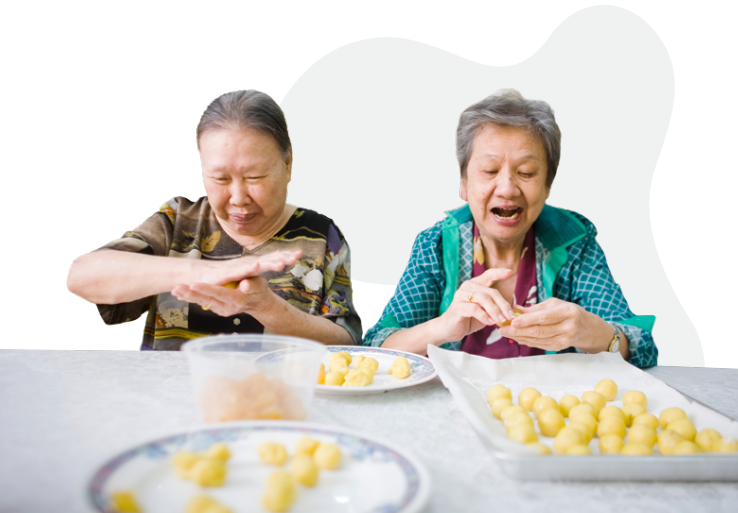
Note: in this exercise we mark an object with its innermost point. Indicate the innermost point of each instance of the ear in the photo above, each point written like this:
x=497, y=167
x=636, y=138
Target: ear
x=288, y=167
x=462, y=190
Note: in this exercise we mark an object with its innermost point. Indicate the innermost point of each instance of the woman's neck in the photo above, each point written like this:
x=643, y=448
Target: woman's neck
x=502, y=254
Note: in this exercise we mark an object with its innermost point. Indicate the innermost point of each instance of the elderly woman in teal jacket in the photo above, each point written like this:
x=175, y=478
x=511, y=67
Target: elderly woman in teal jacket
x=507, y=275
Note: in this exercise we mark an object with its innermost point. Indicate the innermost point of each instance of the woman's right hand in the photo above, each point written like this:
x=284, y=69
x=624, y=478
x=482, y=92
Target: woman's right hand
x=475, y=305
x=216, y=272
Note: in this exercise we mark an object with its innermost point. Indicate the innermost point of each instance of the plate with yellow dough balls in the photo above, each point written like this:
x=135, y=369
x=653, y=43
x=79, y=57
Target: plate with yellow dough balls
x=358, y=370
x=262, y=466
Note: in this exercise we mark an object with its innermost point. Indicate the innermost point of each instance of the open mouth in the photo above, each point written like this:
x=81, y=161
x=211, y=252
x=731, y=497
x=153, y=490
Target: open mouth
x=507, y=214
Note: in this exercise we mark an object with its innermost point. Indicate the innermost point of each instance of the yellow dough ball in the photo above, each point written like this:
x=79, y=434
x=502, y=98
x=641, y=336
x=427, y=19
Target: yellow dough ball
x=341, y=354
x=578, y=450
x=205, y=504
x=371, y=363
x=585, y=430
x=506, y=412
x=611, y=444
x=400, y=368
x=544, y=403
x=566, y=437
x=498, y=391
x=306, y=445
x=280, y=492
x=272, y=453
x=358, y=359
x=327, y=456
x=667, y=440
x=595, y=400
x=636, y=450
x=669, y=415
x=522, y=433
x=304, y=470
x=685, y=447
x=499, y=404
x=183, y=463
x=611, y=411
x=635, y=397
x=124, y=502
x=642, y=434
x=527, y=397
x=631, y=411
x=357, y=378
x=585, y=418
x=608, y=388
x=707, y=438
x=518, y=418
x=647, y=419
x=726, y=445
x=321, y=375
x=550, y=422
x=582, y=408
x=611, y=426
x=567, y=403
x=218, y=452
x=538, y=446
x=338, y=365
x=684, y=427
x=334, y=378
x=208, y=472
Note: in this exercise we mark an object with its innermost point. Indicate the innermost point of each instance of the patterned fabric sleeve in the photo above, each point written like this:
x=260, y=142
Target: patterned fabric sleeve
x=418, y=294
x=338, y=304
x=152, y=237
x=594, y=288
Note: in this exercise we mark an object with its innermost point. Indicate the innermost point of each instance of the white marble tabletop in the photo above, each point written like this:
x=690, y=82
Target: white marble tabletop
x=63, y=413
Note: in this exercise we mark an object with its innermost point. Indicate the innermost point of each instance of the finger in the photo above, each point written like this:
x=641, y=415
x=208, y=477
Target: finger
x=473, y=310
x=483, y=298
x=222, y=294
x=492, y=275
x=532, y=332
x=541, y=317
x=204, y=300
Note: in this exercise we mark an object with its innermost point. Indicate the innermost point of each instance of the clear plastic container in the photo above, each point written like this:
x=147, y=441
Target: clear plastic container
x=255, y=376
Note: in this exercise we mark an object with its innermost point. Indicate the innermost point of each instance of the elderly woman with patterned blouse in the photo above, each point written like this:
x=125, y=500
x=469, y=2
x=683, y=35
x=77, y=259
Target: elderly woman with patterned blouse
x=507, y=275
x=241, y=259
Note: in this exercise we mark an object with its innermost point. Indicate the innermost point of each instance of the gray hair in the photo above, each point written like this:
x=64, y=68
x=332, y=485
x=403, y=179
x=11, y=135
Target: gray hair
x=507, y=107
x=247, y=110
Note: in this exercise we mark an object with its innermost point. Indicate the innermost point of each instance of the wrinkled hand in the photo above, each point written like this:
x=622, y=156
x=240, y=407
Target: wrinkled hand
x=554, y=325
x=487, y=306
x=252, y=296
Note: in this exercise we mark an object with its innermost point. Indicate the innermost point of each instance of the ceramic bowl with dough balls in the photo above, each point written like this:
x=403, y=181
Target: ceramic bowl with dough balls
x=608, y=388
x=527, y=397
x=253, y=376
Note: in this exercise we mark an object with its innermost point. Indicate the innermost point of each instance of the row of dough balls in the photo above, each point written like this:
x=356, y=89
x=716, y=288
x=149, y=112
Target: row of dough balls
x=591, y=416
x=310, y=457
x=362, y=374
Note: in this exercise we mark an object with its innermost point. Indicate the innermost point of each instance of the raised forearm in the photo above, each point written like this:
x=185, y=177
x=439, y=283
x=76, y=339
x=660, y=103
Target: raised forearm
x=110, y=277
x=282, y=318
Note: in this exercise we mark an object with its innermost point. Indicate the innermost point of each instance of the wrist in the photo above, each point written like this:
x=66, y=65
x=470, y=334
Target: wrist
x=267, y=309
x=434, y=332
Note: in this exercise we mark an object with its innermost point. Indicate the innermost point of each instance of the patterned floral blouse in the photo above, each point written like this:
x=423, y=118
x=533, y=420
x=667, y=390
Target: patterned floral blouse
x=319, y=283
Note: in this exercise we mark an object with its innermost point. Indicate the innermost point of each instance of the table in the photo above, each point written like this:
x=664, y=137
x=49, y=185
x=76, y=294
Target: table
x=62, y=413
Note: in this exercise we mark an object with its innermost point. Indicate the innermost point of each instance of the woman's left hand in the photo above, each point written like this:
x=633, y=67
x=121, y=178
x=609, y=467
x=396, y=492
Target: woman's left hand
x=554, y=325
x=252, y=296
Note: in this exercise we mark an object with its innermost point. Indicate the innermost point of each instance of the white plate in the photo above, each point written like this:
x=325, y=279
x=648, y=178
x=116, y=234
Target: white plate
x=374, y=476
x=421, y=369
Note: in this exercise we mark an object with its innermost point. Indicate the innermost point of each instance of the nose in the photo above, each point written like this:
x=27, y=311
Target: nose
x=507, y=184
x=240, y=195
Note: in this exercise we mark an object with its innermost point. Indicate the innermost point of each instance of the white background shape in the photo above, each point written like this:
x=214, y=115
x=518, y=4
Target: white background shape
x=381, y=115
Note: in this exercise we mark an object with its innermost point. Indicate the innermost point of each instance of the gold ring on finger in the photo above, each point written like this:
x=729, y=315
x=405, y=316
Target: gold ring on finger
x=471, y=297
x=206, y=307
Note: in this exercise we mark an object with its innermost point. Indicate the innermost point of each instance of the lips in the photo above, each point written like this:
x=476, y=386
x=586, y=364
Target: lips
x=507, y=212
x=242, y=218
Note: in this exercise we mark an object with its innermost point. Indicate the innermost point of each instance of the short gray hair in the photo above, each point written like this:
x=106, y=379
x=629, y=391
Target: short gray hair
x=507, y=107
x=247, y=110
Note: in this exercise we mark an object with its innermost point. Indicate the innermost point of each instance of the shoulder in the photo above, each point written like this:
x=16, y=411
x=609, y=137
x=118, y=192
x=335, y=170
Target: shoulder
x=588, y=225
x=179, y=206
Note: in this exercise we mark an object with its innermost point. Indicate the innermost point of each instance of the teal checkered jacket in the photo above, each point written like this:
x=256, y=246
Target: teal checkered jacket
x=570, y=265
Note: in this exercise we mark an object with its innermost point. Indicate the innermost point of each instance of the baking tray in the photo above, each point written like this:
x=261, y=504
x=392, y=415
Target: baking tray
x=468, y=377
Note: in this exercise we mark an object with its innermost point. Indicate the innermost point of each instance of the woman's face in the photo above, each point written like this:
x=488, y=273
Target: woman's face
x=505, y=182
x=245, y=179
